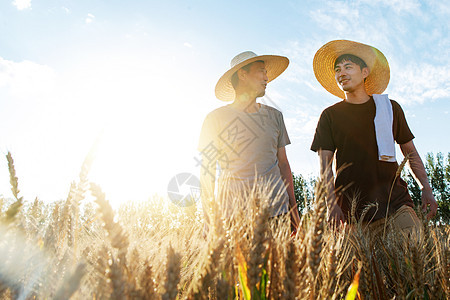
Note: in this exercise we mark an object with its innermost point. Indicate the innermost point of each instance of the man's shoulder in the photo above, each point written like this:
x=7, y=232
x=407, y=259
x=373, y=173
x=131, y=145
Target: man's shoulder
x=271, y=109
x=218, y=112
x=334, y=107
x=337, y=105
x=220, y=109
x=268, y=107
x=395, y=104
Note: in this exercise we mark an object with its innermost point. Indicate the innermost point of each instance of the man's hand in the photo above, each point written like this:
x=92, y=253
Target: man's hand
x=286, y=175
x=295, y=218
x=336, y=216
x=420, y=175
x=429, y=201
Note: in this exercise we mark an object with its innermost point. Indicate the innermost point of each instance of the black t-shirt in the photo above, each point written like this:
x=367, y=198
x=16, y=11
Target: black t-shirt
x=349, y=131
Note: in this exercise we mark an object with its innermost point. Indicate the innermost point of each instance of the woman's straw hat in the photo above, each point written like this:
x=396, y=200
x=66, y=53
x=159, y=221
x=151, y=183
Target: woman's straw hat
x=275, y=65
x=326, y=56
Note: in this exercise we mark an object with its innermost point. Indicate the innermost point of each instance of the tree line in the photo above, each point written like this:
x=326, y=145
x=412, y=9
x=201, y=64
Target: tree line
x=438, y=171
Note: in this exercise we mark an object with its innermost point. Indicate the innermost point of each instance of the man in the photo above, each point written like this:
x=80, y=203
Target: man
x=247, y=139
x=352, y=131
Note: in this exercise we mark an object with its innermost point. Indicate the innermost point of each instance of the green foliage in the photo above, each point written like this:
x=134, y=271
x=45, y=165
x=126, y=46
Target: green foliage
x=243, y=283
x=438, y=174
x=304, y=192
x=263, y=284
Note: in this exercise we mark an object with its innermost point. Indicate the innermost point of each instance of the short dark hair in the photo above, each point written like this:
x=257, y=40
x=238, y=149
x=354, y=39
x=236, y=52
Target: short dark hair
x=246, y=68
x=350, y=57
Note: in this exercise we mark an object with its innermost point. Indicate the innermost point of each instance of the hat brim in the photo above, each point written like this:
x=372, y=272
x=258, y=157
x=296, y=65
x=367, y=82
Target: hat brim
x=325, y=57
x=275, y=65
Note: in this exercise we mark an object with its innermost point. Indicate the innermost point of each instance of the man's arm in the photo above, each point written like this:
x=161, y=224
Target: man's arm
x=420, y=175
x=286, y=175
x=335, y=214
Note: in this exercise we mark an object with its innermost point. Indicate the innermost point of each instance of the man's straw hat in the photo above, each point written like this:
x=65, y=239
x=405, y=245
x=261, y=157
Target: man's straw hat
x=326, y=56
x=275, y=65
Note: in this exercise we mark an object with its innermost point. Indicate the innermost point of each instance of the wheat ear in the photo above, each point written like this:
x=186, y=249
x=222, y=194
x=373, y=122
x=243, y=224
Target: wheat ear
x=118, y=238
x=291, y=280
x=258, y=245
x=16, y=206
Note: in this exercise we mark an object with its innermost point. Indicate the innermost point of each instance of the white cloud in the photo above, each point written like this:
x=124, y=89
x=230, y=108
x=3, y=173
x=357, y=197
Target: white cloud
x=333, y=16
x=22, y=4
x=439, y=6
x=420, y=82
x=66, y=10
x=187, y=45
x=26, y=79
x=300, y=54
x=398, y=6
x=353, y=21
x=90, y=18
x=302, y=126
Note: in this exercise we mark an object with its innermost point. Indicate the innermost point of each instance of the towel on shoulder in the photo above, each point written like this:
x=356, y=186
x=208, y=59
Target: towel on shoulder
x=384, y=119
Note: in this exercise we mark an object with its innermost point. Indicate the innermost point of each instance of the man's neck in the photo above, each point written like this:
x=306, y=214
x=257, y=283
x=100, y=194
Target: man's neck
x=245, y=103
x=357, y=97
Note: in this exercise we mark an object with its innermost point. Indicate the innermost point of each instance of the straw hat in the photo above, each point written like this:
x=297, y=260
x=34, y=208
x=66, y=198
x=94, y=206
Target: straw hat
x=325, y=57
x=275, y=65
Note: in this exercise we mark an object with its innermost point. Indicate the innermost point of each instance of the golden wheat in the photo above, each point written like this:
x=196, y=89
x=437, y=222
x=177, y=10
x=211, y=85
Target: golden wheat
x=84, y=249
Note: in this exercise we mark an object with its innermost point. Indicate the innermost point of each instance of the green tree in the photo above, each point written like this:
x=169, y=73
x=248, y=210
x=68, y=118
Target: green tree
x=436, y=170
x=304, y=192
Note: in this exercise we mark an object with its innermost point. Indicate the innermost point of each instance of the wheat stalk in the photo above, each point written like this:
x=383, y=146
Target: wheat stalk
x=148, y=288
x=172, y=275
x=397, y=174
x=71, y=284
x=315, y=236
x=118, y=282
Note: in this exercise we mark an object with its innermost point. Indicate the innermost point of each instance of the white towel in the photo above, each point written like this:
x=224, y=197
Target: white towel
x=384, y=118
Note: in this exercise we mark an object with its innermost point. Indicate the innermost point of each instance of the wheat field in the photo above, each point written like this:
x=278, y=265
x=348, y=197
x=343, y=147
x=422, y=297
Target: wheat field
x=81, y=248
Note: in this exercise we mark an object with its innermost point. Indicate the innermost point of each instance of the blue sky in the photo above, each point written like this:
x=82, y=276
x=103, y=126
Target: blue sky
x=140, y=76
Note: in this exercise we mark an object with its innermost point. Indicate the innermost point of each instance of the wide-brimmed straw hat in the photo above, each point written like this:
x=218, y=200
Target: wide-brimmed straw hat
x=325, y=57
x=275, y=65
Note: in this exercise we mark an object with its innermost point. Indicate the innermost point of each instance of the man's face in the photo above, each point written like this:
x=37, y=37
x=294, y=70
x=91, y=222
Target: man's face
x=256, y=78
x=349, y=76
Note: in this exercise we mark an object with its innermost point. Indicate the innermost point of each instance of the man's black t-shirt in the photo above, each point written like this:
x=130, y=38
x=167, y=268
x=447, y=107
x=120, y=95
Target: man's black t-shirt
x=349, y=130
